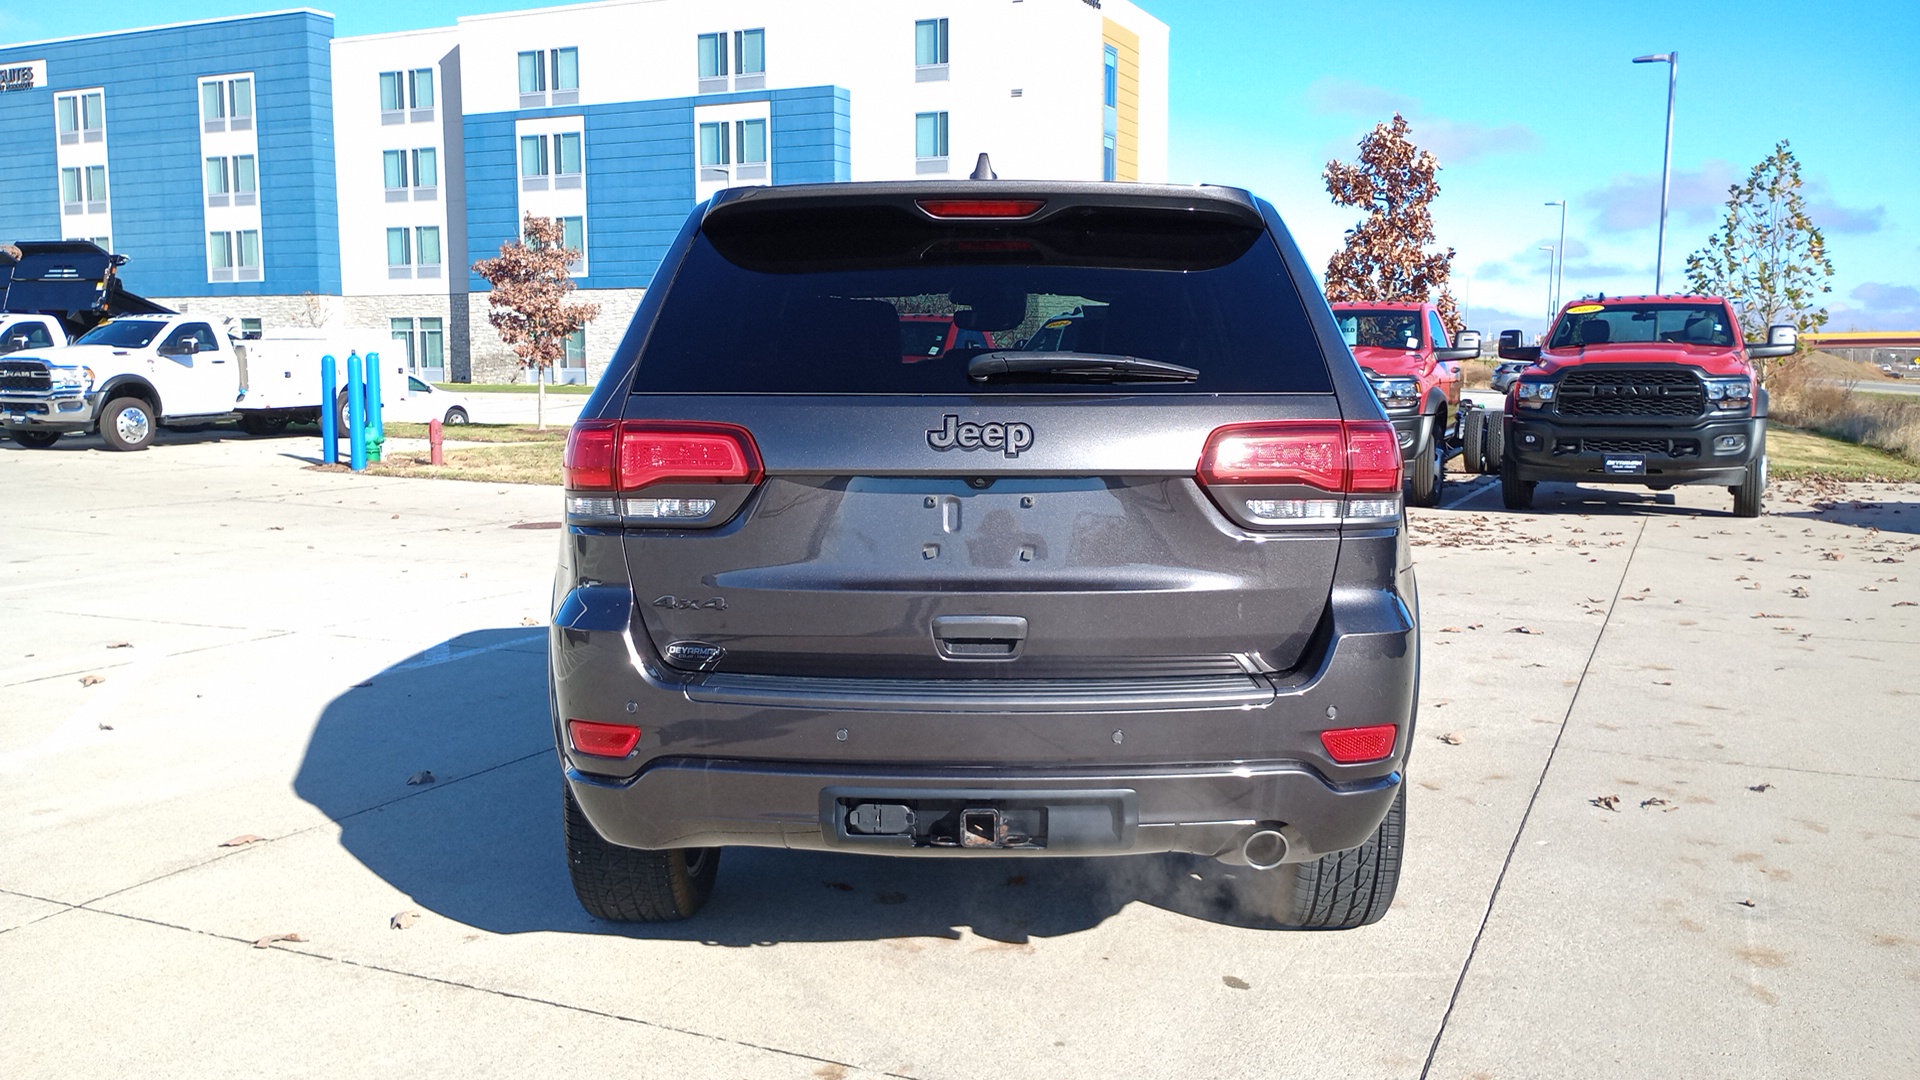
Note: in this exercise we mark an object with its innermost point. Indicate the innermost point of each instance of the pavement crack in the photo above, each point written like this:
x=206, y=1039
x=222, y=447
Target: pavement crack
x=1573, y=700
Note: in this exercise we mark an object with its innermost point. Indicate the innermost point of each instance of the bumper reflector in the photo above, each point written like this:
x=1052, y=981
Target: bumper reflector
x=1349, y=746
x=603, y=740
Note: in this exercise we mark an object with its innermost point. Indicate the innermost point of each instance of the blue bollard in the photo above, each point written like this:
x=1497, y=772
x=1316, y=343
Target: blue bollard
x=376, y=405
x=329, y=417
x=356, y=414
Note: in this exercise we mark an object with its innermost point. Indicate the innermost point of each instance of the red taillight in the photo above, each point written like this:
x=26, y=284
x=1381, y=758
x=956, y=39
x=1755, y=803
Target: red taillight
x=1373, y=456
x=1350, y=746
x=627, y=455
x=1332, y=455
x=981, y=208
x=588, y=465
x=705, y=454
x=603, y=740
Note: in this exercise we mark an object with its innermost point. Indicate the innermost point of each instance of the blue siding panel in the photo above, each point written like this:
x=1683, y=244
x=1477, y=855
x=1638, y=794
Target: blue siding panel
x=640, y=173
x=153, y=148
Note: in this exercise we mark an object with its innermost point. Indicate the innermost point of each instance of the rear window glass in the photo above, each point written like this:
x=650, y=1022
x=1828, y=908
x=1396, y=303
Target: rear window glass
x=875, y=301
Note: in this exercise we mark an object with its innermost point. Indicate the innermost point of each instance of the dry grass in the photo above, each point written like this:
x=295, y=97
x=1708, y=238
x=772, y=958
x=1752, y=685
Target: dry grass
x=1794, y=454
x=489, y=433
x=1477, y=374
x=1807, y=396
x=507, y=463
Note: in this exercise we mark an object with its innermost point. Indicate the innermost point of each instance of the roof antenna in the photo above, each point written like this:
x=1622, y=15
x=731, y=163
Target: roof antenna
x=984, y=170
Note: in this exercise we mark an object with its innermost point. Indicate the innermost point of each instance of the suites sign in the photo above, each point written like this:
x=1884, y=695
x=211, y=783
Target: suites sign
x=26, y=75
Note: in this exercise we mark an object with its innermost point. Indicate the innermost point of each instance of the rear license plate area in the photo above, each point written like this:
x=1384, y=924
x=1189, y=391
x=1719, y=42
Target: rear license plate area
x=985, y=820
x=1625, y=465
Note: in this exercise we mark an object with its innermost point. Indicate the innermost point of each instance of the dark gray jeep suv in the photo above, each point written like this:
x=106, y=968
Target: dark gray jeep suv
x=1150, y=595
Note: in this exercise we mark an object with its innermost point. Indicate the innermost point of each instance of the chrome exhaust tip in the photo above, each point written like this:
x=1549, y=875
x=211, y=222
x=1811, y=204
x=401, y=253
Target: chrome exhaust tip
x=1264, y=849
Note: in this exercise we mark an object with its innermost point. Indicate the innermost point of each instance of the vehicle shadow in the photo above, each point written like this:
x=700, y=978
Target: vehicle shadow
x=482, y=843
x=1885, y=515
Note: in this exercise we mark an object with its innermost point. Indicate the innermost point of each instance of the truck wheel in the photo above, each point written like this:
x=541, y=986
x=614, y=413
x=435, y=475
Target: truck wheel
x=256, y=424
x=1515, y=493
x=1429, y=468
x=1349, y=888
x=1473, y=434
x=127, y=424
x=456, y=415
x=1496, y=428
x=1747, y=495
x=35, y=440
x=623, y=884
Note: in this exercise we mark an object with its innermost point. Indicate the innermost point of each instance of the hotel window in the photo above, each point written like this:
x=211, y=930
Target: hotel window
x=713, y=57
x=750, y=148
x=251, y=330
x=544, y=68
x=249, y=254
x=566, y=70
x=70, y=194
x=220, y=255
x=93, y=115
x=433, y=344
x=573, y=237
x=534, y=163
x=427, y=249
x=930, y=50
x=396, y=174
x=533, y=73
x=246, y=180
x=399, y=253
x=96, y=189
x=213, y=104
x=1110, y=117
x=401, y=331
x=82, y=116
x=749, y=56
x=426, y=173
x=420, y=93
x=241, y=98
x=930, y=141
x=576, y=354
x=227, y=103
x=567, y=164
x=393, y=100
x=67, y=109
x=749, y=65
x=715, y=153
x=218, y=187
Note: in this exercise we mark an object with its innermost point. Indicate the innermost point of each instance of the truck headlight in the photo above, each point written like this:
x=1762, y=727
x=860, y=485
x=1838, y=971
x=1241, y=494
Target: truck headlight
x=1730, y=394
x=1533, y=395
x=68, y=378
x=1397, y=393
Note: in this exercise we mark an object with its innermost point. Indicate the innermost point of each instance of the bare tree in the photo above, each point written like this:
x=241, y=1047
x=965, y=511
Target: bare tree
x=529, y=305
x=1385, y=258
x=1767, y=252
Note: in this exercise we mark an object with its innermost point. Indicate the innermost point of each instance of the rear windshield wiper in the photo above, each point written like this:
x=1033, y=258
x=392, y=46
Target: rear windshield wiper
x=1076, y=366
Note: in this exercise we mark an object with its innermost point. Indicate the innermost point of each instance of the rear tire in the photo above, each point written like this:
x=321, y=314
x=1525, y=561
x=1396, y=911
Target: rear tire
x=456, y=415
x=1473, y=434
x=622, y=884
x=1350, y=888
x=1429, y=468
x=1515, y=493
x=1496, y=428
x=35, y=440
x=128, y=424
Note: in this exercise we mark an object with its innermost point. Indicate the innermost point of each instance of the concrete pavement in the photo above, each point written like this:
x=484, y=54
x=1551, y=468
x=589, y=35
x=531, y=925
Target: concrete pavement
x=280, y=650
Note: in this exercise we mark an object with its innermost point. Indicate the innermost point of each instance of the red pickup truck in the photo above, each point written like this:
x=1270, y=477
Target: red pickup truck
x=1415, y=372
x=1652, y=390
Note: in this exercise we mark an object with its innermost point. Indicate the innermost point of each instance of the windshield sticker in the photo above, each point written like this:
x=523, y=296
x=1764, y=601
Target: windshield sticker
x=1586, y=309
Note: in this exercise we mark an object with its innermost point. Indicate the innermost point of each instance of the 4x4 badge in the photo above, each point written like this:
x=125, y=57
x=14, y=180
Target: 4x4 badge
x=1009, y=439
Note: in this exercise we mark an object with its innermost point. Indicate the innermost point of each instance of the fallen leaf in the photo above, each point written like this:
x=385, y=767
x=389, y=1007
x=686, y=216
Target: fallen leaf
x=1644, y=803
x=1746, y=903
x=1799, y=592
x=271, y=938
x=422, y=777
x=242, y=840
x=1526, y=630
x=1906, y=603
x=121, y=645
x=1759, y=787
x=403, y=920
x=1449, y=630
x=105, y=727
x=1236, y=983
x=92, y=680
x=1452, y=738
x=1606, y=802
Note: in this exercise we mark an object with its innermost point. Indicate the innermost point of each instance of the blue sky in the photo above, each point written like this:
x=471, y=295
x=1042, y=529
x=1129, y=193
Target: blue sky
x=1523, y=102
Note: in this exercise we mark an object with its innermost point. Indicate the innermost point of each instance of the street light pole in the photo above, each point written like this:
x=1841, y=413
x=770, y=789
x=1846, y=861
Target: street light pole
x=1672, y=60
x=1560, y=276
x=1552, y=253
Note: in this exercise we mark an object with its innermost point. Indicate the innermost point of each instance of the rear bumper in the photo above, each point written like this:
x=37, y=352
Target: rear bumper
x=1173, y=766
x=1704, y=452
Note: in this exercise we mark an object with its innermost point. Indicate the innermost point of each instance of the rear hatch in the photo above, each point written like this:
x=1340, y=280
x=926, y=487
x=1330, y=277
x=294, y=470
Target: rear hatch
x=803, y=495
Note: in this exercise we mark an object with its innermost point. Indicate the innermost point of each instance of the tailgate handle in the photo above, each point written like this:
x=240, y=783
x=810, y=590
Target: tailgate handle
x=979, y=637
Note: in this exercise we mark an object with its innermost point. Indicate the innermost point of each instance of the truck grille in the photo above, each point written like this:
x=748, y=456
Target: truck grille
x=28, y=375
x=1674, y=448
x=1632, y=392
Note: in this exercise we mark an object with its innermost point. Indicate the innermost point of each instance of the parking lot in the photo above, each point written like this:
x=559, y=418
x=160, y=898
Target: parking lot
x=1664, y=817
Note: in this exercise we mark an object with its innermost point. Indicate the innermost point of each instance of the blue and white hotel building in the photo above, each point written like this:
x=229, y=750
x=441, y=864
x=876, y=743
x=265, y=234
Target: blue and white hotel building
x=261, y=168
